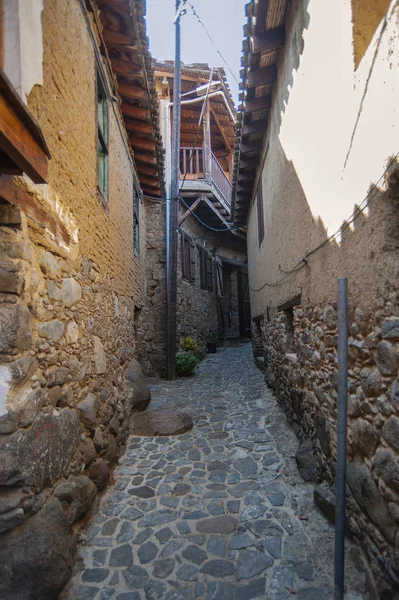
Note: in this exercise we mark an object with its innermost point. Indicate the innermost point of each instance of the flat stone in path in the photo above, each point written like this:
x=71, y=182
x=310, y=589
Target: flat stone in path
x=211, y=513
x=225, y=524
x=160, y=422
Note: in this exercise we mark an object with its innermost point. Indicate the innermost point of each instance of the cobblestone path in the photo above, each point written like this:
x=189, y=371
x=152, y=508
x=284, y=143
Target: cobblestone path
x=215, y=514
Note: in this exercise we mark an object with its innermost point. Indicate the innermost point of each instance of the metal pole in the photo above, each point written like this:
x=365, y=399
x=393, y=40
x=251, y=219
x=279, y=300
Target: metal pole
x=339, y=561
x=174, y=207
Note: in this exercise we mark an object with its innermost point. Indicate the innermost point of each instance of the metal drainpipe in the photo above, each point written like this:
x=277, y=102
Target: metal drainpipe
x=339, y=558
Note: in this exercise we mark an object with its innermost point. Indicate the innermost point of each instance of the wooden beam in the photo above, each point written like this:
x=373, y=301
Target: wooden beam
x=184, y=77
x=215, y=210
x=148, y=159
x=262, y=76
x=151, y=171
x=152, y=183
x=207, y=152
x=139, y=143
x=244, y=186
x=119, y=39
x=135, y=111
x=255, y=127
x=245, y=176
x=19, y=144
x=269, y=39
x=131, y=91
x=251, y=147
x=190, y=210
x=257, y=104
x=7, y=166
x=140, y=126
x=248, y=163
x=123, y=67
x=261, y=15
x=16, y=195
x=243, y=194
x=218, y=123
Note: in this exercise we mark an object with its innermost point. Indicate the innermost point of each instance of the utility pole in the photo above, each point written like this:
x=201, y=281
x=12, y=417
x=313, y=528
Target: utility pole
x=171, y=292
x=342, y=432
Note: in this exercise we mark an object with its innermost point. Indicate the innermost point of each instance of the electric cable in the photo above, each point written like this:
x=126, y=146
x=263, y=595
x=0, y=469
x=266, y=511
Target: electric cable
x=358, y=210
x=196, y=15
x=202, y=222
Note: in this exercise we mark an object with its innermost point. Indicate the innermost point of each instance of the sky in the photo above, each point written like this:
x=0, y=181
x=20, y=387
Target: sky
x=224, y=20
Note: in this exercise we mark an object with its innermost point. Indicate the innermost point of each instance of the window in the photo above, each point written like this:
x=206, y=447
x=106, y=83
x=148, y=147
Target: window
x=136, y=222
x=102, y=135
x=188, y=257
x=205, y=269
x=259, y=208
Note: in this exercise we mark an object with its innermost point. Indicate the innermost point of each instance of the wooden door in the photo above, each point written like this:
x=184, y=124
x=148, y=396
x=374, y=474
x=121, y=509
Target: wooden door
x=244, y=303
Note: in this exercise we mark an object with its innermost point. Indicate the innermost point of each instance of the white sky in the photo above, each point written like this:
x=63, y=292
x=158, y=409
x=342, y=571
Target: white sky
x=224, y=19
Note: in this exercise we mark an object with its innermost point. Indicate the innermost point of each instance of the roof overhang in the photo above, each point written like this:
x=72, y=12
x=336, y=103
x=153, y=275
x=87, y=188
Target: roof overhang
x=126, y=43
x=264, y=35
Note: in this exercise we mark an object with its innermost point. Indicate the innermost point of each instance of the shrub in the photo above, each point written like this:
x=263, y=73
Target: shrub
x=186, y=364
x=189, y=344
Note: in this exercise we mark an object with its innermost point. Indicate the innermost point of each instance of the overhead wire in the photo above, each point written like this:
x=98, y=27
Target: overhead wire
x=196, y=15
x=358, y=210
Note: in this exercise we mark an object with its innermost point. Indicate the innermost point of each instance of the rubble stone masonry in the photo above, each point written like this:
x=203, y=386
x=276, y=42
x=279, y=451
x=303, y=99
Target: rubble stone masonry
x=300, y=362
x=67, y=318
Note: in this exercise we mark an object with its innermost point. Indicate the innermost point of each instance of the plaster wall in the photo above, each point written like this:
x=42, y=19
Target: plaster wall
x=332, y=132
x=324, y=115
x=23, y=44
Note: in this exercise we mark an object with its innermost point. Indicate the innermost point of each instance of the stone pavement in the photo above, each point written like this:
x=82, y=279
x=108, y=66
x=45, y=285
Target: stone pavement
x=218, y=513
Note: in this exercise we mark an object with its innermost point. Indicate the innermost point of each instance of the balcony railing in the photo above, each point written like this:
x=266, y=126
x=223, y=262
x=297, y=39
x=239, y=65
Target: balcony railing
x=192, y=169
x=219, y=179
x=191, y=163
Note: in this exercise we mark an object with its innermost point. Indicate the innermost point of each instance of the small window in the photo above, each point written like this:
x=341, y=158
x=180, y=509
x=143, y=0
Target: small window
x=206, y=270
x=136, y=222
x=188, y=257
x=259, y=207
x=102, y=135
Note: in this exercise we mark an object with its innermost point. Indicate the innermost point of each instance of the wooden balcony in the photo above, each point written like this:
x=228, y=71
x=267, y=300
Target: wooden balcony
x=196, y=178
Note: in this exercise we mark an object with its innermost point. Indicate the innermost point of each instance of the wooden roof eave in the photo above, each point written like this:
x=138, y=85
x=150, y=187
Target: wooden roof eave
x=264, y=34
x=124, y=36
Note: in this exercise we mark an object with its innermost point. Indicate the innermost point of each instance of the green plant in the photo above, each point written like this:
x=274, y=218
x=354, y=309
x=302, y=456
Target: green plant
x=189, y=344
x=186, y=364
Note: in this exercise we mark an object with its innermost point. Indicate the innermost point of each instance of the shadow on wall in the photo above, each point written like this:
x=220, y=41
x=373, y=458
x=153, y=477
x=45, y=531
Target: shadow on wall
x=301, y=361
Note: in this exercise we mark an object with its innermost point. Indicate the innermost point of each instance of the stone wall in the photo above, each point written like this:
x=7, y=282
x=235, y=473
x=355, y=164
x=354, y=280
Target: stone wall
x=197, y=313
x=151, y=324
x=68, y=308
x=300, y=362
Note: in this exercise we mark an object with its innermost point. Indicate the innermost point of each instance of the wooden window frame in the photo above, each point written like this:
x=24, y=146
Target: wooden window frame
x=187, y=257
x=206, y=269
x=102, y=137
x=260, y=215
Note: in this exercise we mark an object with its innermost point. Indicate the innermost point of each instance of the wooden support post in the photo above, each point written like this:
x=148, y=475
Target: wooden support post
x=173, y=215
x=190, y=210
x=207, y=143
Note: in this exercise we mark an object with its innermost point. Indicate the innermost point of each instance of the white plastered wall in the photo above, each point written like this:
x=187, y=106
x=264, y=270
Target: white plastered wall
x=23, y=44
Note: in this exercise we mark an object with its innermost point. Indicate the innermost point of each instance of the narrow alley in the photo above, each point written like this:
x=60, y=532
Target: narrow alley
x=217, y=513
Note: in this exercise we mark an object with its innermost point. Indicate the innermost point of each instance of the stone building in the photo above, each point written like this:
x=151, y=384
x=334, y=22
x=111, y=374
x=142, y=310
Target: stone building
x=316, y=183
x=79, y=152
x=212, y=292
